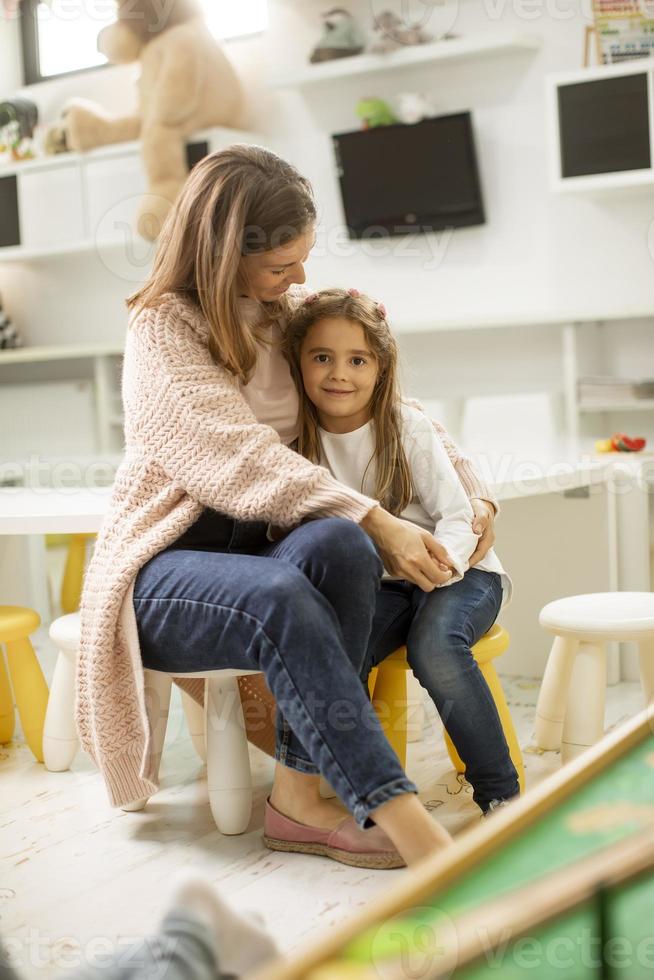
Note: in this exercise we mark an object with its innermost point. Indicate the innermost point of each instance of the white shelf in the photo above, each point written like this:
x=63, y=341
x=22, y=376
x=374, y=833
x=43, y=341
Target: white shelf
x=364, y=64
x=62, y=352
x=624, y=180
x=21, y=253
x=551, y=317
x=221, y=134
x=632, y=405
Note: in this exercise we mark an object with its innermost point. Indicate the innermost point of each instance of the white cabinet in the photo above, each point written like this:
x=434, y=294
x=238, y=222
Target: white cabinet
x=83, y=201
x=113, y=188
x=50, y=207
x=601, y=128
x=79, y=416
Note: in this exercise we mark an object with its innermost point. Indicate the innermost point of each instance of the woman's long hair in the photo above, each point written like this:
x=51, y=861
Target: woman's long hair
x=393, y=484
x=238, y=201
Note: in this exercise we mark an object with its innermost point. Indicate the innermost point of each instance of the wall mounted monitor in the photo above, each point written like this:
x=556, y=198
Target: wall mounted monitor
x=399, y=179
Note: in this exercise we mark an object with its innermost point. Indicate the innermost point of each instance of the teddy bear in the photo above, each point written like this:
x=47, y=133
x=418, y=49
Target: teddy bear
x=186, y=84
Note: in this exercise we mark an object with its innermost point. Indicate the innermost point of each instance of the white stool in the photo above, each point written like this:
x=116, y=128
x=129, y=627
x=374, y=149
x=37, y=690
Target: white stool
x=218, y=731
x=570, y=709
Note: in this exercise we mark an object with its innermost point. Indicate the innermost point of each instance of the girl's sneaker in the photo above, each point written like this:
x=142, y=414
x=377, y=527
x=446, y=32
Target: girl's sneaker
x=493, y=806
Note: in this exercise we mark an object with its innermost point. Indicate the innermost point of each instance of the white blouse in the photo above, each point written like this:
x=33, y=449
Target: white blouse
x=439, y=504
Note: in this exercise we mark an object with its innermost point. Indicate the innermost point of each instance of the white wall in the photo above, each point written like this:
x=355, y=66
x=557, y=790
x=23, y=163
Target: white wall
x=537, y=255
x=9, y=55
x=537, y=252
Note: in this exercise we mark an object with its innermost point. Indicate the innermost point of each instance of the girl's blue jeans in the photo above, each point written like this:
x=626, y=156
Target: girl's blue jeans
x=300, y=610
x=439, y=628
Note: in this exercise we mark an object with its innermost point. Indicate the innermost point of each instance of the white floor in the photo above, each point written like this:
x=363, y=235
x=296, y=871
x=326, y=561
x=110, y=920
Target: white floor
x=79, y=879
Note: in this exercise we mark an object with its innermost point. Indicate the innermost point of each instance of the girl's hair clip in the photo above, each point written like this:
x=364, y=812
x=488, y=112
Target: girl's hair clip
x=354, y=293
x=381, y=310
x=311, y=298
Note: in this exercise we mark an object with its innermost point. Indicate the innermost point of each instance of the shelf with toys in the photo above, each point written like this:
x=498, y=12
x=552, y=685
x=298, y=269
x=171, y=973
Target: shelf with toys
x=72, y=203
x=505, y=43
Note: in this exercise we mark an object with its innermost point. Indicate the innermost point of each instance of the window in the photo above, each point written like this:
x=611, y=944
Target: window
x=59, y=36
x=229, y=19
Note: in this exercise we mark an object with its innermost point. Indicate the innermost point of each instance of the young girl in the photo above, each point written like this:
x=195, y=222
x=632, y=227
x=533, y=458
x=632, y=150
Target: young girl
x=344, y=361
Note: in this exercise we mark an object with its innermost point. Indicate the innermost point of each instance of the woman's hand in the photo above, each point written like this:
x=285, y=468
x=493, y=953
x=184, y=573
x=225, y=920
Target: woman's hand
x=484, y=524
x=408, y=551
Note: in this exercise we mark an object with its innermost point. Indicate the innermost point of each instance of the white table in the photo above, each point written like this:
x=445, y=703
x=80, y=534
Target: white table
x=52, y=511
x=25, y=517
x=79, y=510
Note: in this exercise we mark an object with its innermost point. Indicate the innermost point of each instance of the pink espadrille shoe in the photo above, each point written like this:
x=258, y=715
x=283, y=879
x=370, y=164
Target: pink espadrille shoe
x=347, y=843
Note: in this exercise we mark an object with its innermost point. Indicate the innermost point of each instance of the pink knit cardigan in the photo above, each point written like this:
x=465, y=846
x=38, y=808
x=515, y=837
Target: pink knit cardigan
x=191, y=441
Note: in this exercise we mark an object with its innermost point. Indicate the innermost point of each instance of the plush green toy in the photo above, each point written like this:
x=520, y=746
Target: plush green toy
x=375, y=112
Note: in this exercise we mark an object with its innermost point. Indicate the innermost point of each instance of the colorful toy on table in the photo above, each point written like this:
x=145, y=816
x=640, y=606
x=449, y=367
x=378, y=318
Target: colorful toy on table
x=621, y=443
x=375, y=112
x=341, y=37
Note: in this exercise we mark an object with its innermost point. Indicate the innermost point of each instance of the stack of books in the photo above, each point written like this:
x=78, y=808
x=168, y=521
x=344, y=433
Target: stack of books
x=604, y=389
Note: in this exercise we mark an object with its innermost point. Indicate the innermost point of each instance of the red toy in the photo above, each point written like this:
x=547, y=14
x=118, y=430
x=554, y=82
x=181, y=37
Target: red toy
x=621, y=443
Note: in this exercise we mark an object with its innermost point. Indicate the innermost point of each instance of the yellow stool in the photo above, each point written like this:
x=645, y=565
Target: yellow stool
x=387, y=686
x=71, y=583
x=71, y=586
x=29, y=687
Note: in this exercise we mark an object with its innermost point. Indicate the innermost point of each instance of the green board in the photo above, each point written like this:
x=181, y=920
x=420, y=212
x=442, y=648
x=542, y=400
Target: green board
x=612, y=806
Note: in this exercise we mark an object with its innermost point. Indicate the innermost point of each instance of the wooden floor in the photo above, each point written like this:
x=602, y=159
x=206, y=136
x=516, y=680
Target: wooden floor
x=78, y=878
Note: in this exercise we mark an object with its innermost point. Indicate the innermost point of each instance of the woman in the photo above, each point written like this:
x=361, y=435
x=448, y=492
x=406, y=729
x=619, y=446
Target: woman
x=185, y=574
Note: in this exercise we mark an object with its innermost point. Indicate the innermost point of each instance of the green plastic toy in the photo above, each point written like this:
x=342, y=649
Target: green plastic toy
x=375, y=112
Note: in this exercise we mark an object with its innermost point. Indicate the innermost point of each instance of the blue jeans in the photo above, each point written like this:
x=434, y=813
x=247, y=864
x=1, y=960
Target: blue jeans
x=300, y=610
x=439, y=628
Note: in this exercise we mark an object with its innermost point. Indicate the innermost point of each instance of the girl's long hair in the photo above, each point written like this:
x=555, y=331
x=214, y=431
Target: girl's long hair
x=393, y=485
x=238, y=201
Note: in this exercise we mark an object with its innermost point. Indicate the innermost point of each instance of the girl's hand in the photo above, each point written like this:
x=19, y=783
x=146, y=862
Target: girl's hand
x=408, y=551
x=484, y=524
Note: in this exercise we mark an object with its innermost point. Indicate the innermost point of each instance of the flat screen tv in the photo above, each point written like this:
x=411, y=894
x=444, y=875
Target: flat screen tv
x=400, y=179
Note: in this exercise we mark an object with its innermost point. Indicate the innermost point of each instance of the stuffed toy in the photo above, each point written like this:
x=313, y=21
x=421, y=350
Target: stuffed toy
x=18, y=118
x=412, y=107
x=22, y=111
x=341, y=37
x=394, y=33
x=186, y=84
x=375, y=112
x=9, y=336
